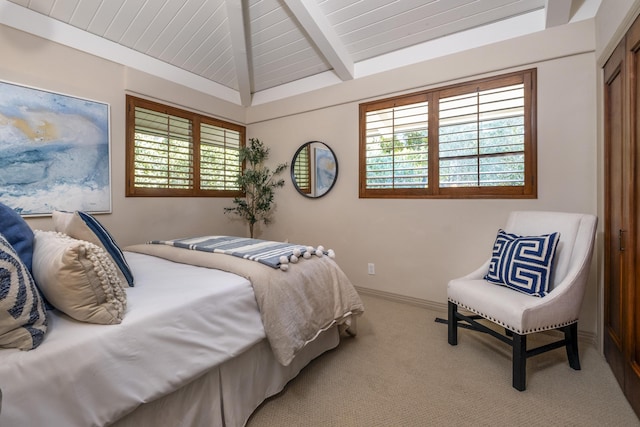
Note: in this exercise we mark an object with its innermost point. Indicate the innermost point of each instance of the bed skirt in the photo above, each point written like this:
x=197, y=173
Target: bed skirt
x=227, y=394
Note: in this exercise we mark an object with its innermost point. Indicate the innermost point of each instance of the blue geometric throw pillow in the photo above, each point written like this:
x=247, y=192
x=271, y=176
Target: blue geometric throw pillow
x=523, y=263
x=23, y=318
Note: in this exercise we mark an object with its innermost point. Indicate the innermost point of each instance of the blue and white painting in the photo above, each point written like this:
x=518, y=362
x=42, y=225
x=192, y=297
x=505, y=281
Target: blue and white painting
x=54, y=152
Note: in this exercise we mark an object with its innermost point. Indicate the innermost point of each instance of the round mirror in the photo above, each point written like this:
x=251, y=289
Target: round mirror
x=314, y=169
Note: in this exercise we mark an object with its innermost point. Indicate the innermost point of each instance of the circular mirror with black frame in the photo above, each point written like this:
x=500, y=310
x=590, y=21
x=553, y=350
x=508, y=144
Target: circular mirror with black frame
x=314, y=169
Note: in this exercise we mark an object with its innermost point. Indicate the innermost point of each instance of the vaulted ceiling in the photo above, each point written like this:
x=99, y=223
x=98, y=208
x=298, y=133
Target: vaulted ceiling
x=253, y=51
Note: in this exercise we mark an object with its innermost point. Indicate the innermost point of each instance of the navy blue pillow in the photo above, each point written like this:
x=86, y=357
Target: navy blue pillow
x=18, y=234
x=109, y=245
x=524, y=264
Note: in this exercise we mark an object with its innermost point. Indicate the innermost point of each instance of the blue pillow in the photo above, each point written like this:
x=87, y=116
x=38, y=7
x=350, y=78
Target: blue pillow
x=524, y=264
x=23, y=318
x=18, y=233
x=109, y=245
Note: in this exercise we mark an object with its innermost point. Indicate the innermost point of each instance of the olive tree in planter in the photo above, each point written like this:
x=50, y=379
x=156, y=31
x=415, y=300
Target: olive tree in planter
x=258, y=184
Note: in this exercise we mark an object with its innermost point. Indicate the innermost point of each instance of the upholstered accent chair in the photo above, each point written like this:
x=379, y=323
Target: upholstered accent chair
x=518, y=311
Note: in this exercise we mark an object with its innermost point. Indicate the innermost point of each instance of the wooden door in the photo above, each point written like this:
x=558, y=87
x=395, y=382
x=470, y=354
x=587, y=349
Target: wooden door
x=632, y=153
x=622, y=135
x=614, y=309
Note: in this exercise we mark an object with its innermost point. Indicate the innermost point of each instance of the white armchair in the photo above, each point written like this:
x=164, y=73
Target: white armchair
x=521, y=314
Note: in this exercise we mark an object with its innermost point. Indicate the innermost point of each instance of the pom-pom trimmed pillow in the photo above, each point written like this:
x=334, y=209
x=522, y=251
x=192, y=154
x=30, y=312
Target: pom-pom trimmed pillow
x=523, y=263
x=23, y=318
x=78, y=278
x=82, y=226
x=18, y=233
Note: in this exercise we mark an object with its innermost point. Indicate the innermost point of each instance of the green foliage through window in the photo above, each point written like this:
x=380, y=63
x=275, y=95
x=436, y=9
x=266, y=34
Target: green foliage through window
x=171, y=152
x=471, y=140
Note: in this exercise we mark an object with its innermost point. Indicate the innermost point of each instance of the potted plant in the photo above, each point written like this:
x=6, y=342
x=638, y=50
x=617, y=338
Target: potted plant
x=258, y=184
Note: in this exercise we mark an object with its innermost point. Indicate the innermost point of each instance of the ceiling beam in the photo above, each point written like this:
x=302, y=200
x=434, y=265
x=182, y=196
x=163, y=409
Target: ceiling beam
x=558, y=12
x=315, y=23
x=239, y=47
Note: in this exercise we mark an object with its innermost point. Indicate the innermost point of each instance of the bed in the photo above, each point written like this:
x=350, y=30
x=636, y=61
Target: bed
x=191, y=347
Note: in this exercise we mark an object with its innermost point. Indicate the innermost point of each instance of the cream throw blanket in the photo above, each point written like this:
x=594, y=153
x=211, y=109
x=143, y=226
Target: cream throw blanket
x=295, y=307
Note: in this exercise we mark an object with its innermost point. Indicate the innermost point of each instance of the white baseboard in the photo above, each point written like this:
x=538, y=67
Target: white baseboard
x=438, y=306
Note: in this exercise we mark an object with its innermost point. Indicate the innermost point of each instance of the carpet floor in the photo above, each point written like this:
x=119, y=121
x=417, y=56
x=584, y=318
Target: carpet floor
x=400, y=371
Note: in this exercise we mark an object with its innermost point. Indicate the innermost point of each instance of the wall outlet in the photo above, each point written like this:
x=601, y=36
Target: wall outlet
x=371, y=268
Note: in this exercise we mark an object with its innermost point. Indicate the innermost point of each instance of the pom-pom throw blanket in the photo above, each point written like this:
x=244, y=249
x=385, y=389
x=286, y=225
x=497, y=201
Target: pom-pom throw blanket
x=273, y=254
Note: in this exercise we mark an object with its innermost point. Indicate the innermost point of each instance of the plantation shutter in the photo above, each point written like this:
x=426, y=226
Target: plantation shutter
x=163, y=150
x=467, y=140
x=177, y=153
x=396, y=145
x=481, y=138
x=219, y=158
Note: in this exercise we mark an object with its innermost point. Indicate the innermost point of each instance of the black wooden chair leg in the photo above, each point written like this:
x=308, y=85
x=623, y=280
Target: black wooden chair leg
x=518, y=343
x=571, y=337
x=519, y=361
x=453, y=324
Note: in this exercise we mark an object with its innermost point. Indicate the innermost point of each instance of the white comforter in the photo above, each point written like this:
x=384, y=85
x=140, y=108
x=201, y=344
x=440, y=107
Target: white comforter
x=295, y=306
x=180, y=321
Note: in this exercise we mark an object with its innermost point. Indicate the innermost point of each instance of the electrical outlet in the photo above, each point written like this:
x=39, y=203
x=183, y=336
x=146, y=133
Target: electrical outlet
x=371, y=268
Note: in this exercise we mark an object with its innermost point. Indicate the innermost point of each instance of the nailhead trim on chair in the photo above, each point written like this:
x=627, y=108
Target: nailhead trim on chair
x=511, y=328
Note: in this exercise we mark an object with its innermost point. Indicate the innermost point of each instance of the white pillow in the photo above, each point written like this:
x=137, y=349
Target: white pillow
x=82, y=226
x=78, y=278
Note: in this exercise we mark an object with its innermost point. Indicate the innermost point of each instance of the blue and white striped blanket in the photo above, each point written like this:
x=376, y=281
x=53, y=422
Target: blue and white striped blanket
x=270, y=253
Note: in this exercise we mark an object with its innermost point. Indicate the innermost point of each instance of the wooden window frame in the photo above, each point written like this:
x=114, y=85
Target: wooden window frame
x=432, y=96
x=196, y=120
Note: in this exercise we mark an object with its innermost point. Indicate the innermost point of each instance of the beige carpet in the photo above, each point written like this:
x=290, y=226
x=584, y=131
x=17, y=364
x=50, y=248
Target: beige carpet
x=400, y=371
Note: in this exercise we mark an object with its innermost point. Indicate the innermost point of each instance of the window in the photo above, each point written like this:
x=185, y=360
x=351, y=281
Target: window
x=171, y=152
x=472, y=140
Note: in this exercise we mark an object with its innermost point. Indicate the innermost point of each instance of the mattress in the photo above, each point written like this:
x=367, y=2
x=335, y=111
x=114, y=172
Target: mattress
x=180, y=322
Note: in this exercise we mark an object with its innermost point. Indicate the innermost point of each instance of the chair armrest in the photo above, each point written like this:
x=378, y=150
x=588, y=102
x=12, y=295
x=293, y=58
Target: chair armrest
x=562, y=305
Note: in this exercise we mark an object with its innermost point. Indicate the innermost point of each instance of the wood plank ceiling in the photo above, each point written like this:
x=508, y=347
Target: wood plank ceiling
x=251, y=46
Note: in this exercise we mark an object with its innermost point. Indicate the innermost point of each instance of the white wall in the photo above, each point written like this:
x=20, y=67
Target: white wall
x=416, y=245
x=32, y=61
x=419, y=245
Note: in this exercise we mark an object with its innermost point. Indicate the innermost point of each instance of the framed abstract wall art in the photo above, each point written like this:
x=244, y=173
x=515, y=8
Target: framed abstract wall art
x=54, y=152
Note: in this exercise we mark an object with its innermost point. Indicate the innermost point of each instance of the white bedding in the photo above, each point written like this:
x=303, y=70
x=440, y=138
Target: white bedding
x=228, y=394
x=295, y=306
x=86, y=374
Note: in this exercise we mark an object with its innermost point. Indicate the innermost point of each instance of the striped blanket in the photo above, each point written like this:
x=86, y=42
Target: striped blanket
x=272, y=254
